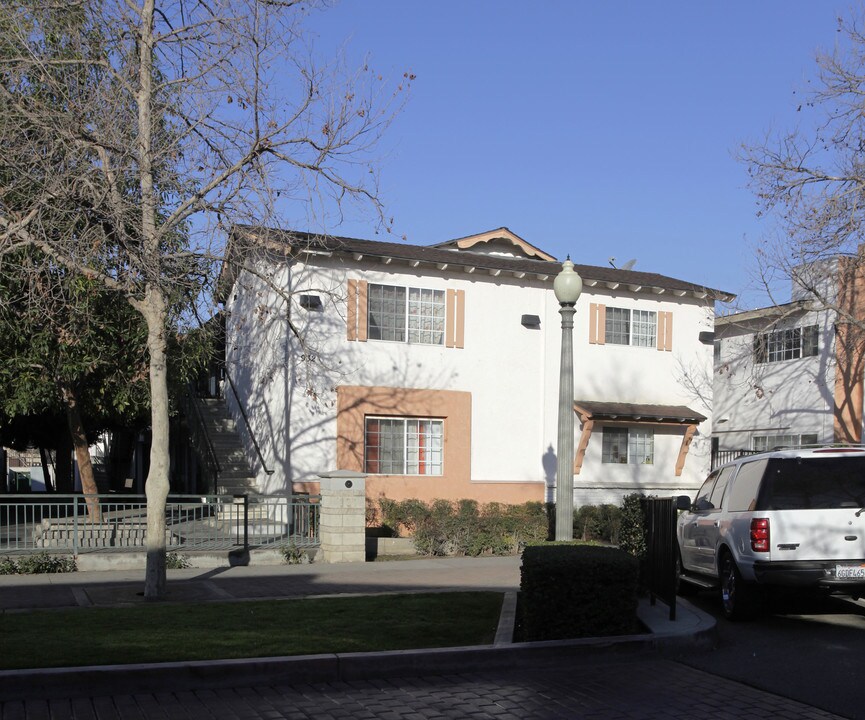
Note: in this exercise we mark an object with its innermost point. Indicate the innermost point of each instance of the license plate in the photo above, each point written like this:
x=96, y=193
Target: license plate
x=849, y=571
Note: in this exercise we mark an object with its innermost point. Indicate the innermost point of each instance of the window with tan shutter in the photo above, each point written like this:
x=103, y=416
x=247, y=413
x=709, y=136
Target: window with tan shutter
x=637, y=328
x=414, y=315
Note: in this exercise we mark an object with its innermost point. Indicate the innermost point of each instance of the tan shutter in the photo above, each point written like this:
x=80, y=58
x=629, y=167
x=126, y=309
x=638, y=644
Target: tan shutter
x=597, y=324
x=351, y=311
x=362, y=310
x=665, y=331
x=460, y=329
x=455, y=318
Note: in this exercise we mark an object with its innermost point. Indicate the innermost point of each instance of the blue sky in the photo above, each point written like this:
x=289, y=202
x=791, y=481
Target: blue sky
x=595, y=129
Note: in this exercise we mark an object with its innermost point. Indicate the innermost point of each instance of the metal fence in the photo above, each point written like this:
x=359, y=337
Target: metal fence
x=659, y=522
x=719, y=457
x=117, y=523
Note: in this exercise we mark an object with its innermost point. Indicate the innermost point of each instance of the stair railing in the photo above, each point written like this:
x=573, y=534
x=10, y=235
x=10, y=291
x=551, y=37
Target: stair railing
x=201, y=438
x=268, y=471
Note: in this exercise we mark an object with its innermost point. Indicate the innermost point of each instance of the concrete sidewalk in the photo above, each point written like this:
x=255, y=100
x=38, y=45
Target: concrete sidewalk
x=254, y=582
x=22, y=593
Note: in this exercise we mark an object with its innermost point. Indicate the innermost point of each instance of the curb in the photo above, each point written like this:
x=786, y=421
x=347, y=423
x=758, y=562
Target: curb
x=694, y=629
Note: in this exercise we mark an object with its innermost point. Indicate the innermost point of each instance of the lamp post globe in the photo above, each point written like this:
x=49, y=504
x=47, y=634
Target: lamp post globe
x=568, y=284
x=567, y=287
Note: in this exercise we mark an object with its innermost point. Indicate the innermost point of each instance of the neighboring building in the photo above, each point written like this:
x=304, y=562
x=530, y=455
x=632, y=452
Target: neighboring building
x=436, y=369
x=791, y=375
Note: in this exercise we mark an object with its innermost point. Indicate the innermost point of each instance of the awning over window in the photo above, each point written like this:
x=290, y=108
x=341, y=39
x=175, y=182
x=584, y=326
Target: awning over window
x=636, y=412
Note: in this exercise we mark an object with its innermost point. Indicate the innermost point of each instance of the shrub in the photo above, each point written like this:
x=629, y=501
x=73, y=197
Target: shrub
x=632, y=537
x=37, y=564
x=176, y=561
x=466, y=527
x=572, y=590
x=598, y=522
x=401, y=517
x=294, y=555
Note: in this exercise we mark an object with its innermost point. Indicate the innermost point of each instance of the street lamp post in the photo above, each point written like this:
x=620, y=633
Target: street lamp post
x=567, y=286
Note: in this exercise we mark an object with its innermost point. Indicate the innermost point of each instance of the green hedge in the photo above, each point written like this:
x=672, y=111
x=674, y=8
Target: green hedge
x=465, y=527
x=572, y=590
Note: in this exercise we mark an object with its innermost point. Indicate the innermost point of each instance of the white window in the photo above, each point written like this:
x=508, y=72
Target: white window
x=399, y=314
x=789, y=344
x=631, y=327
x=403, y=446
x=634, y=446
x=763, y=443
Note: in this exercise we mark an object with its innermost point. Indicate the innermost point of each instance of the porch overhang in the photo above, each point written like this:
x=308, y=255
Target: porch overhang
x=612, y=413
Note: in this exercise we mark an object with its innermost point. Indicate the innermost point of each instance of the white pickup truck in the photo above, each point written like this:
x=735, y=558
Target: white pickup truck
x=789, y=518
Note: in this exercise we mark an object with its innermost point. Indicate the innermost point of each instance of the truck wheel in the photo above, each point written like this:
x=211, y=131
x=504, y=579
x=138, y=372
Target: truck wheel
x=740, y=600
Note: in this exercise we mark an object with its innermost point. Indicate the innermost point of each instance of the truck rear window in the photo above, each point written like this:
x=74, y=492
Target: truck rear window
x=813, y=484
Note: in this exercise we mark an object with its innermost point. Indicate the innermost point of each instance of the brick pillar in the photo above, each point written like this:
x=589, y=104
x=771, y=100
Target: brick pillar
x=343, y=516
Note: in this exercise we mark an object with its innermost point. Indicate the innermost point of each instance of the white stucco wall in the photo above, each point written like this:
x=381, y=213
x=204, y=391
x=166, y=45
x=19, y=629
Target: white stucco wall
x=511, y=372
x=778, y=398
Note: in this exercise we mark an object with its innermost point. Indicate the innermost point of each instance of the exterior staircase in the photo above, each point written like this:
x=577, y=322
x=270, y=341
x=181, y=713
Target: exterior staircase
x=233, y=474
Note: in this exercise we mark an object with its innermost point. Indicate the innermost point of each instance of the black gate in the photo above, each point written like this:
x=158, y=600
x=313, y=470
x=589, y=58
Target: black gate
x=659, y=518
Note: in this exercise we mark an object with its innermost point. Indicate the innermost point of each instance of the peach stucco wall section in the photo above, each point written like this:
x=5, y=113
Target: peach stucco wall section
x=850, y=360
x=354, y=403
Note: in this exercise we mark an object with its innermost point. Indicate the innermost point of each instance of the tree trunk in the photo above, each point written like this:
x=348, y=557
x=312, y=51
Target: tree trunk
x=156, y=486
x=154, y=308
x=82, y=452
x=63, y=467
x=46, y=473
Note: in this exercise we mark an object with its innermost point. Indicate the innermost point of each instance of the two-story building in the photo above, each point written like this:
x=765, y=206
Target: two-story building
x=792, y=374
x=435, y=369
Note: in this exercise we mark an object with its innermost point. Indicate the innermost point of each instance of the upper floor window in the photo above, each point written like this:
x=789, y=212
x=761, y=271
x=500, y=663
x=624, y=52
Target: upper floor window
x=403, y=446
x=400, y=314
x=631, y=327
x=788, y=344
x=628, y=445
x=641, y=328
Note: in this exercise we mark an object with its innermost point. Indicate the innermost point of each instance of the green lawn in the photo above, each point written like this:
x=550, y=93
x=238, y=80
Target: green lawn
x=210, y=631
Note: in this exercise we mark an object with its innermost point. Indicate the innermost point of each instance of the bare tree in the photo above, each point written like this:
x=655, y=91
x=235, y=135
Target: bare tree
x=149, y=126
x=812, y=182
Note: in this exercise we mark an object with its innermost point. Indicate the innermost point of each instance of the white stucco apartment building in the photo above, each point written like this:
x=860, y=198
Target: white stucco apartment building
x=435, y=369
x=791, y=374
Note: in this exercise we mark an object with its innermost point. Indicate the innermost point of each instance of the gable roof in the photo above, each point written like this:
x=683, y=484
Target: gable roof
x=490, y=236
x=447, y=256
x=766, y=315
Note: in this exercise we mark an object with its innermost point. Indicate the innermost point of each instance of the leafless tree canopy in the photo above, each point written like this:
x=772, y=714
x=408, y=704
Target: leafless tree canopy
x=811, y=179
x=134, y=131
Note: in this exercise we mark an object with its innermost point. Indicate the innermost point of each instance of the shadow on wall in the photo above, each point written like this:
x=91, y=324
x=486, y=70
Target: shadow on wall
x=288, y=361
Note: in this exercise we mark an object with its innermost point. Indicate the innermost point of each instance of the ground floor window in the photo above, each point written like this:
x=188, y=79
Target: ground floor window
x=403, y=446
x=635, y=446
x=763, y=443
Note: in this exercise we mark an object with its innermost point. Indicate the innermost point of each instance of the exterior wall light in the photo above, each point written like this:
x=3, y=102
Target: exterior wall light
x=310, y=302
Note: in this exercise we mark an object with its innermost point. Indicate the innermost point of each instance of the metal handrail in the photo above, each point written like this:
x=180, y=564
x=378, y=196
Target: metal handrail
x=202, y=429
x=267, y=470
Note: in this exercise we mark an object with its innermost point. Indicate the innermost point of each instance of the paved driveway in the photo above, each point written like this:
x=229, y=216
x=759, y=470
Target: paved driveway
x=813, y=653
x=646, y=687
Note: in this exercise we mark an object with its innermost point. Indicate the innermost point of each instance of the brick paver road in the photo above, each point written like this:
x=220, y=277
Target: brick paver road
x=644, y=688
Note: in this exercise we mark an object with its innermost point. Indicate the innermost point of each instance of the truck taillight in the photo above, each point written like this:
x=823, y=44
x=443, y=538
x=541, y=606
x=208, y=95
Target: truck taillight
x=760, y=534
